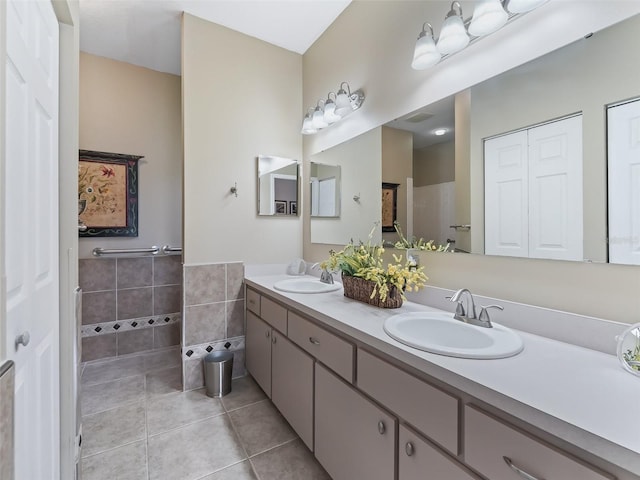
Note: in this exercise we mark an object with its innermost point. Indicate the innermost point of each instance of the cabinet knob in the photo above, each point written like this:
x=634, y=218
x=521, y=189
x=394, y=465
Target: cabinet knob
x=408, y=449
x=266, y=334
x=381, y=427
x=519, y=471
x=314, y=341
x=273, y=339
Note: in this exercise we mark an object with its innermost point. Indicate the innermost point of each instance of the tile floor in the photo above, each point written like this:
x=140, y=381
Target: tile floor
x=139, y=425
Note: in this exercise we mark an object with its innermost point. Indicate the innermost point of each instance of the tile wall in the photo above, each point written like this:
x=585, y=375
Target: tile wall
x=213, y=317
x=130, y=305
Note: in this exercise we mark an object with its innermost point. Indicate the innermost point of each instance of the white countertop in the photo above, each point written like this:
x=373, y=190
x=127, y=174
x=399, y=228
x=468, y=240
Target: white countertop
x=579, y=395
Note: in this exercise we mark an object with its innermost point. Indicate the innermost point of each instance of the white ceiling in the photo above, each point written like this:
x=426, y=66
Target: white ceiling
x=147, y=32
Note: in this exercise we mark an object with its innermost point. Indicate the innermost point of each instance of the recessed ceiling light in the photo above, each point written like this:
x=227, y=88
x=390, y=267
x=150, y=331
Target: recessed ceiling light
x=440, y=131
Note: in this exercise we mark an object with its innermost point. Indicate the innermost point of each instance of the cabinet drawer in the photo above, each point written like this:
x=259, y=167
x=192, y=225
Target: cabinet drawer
x=430, y=410
x=253, y=301
x=416, y=456
x=488, y=442
x=333, y=351
x=274, y=314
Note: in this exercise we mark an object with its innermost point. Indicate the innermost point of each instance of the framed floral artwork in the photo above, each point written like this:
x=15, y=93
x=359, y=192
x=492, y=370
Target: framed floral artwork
x=389, y=206
x=108, y=194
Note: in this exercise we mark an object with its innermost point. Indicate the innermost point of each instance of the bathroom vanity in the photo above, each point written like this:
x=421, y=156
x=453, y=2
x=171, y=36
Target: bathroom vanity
x=372, y=408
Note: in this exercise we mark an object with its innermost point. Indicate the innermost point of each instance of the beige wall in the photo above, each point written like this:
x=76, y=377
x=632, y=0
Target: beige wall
x=397, y=167
x=134, y=110
x=358, y=158
x=3, y=48
x=582, y=77
x=376, y=63
x=241, y=98
x=434, y=164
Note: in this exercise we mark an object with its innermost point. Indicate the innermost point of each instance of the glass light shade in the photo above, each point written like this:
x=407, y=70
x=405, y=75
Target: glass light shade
x=453, y=36
x=318, y=119
x=343, y=104
x=488, y=17
x=307, y=126
x=425, y=54
x=330, y=115
x=523, y=6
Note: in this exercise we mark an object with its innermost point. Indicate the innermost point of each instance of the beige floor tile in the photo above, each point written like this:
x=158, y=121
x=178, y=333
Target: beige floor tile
x=240, y=471
x=164, y=381
x=113, y=428
x=261, y=427
x=191, y=452
x=108, y=370
x=166, y=412
x=104, y=396
x=244, y=391
x=292, y=461
x=161, y=360
x=122, y=463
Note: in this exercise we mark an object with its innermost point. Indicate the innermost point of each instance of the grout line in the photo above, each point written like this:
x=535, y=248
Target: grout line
x=276, y=446
x=120, y=405
x=112, y=448
x=247, y=405
x=184, y=425
x=222, y=469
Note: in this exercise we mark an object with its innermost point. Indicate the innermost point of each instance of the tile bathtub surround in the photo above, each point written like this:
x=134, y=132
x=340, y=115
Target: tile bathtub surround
x=213, y=315
x=186, y=435
x=124, y=294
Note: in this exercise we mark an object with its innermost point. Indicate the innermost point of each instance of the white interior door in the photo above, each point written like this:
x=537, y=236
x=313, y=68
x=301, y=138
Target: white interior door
x=555, y=190
x=624, y=183
x=327, y=197
x=506, y=195
x=31, y=228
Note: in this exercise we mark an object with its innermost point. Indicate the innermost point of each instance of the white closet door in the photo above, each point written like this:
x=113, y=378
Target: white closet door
x=624, y=183
x=31, y=230
x=555, y=190
x=506, y=195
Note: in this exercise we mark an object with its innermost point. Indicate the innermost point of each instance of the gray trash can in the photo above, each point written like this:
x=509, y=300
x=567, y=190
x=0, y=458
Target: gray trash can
x=217, y=373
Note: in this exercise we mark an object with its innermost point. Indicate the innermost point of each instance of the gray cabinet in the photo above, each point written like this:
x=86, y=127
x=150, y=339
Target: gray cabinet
x=292, y=385
x=419, y=460
x=354, y=438
x=258, y=351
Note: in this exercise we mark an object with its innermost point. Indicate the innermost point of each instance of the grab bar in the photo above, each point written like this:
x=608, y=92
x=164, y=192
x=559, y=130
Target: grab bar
x=99, y=252
x=167, y=249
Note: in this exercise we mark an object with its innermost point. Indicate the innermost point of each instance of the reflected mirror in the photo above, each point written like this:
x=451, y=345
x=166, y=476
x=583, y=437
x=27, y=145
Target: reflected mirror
x=277, y=186
x=325, y=190
x=527, y=197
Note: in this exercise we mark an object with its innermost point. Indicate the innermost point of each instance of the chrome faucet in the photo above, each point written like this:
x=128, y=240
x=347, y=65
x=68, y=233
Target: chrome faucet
x=468, y=314
x=325, y=276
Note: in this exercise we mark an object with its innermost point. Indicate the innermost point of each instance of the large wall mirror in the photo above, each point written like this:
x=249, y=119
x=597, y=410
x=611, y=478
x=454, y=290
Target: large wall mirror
x=499, y=167
x=277, y=186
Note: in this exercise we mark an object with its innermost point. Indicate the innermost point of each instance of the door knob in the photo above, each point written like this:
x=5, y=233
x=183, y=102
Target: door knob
x=23, y=339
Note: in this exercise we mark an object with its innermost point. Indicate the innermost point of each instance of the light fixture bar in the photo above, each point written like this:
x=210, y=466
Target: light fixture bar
x=527, y=6
x=330, y=111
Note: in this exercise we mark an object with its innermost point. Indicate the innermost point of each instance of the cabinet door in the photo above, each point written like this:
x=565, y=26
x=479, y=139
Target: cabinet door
x=258, y=352
x=418, y=460
x=292, y=385
x=354, y=439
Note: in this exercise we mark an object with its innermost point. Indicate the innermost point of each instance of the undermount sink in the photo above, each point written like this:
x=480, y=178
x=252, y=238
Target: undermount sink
x=440, y=333
x=306, y=285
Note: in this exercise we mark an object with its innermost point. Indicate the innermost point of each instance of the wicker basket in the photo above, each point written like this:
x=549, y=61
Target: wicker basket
x=360, y=289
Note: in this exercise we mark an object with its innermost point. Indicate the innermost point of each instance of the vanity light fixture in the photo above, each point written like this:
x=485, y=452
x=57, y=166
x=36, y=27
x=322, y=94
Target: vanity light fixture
x=453, y=36
x=329, y=111
x=456, y=33
x=488, y=17
x=523, y=6
x=425, y=54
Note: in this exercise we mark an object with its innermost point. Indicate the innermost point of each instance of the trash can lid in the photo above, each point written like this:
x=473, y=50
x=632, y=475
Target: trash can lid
x=218, y=356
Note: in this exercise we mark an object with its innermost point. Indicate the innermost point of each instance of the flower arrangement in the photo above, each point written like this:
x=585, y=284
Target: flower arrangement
x=365, y=261
x=419, y=244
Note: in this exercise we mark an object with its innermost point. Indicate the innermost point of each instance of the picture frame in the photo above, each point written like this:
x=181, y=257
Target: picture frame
x=389, y=206
x=108, y=194
x=293, y=207
x=280, y=207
